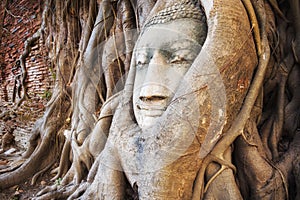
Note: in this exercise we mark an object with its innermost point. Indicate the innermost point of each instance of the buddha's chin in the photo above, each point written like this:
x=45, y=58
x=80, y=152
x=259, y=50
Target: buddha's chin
x=148, y=122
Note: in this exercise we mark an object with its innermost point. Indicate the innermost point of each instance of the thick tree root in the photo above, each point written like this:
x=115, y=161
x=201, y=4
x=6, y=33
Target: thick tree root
x=65, y=163
x=79, y=191
x=239, y=123
x=56, y=192
x=41, y=172
x=28, y=168
x=200, y=189
x=13, y=166
x=45, y=144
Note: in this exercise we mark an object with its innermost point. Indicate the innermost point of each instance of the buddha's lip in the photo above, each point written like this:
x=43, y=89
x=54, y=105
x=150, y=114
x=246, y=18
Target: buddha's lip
x=151, y=110
x=151, y=106
x=152, y=113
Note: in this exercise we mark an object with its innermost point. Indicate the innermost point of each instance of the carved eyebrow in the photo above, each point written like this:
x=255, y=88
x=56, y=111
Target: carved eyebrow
x=142, y=52
x=185, y=45
x=142, y=56
x=189, y=51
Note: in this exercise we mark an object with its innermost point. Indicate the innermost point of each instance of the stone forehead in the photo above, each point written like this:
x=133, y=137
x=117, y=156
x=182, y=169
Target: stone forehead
x=178, y=10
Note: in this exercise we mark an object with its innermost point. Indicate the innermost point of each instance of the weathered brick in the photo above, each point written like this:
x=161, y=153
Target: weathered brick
x=39, y=79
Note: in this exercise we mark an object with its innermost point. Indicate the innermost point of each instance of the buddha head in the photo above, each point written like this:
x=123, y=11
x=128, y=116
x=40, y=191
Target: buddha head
x=166, y=48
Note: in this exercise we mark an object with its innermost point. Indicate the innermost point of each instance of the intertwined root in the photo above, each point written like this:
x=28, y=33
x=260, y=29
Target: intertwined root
x=56, y=192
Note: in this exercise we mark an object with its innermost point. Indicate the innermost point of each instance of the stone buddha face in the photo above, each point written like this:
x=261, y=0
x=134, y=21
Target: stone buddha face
x=163, y=54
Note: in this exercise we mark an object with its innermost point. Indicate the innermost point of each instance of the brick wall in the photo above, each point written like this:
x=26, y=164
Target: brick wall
x=21, y=20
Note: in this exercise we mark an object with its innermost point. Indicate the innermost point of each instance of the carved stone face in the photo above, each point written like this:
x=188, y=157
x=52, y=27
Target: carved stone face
x=163, y=54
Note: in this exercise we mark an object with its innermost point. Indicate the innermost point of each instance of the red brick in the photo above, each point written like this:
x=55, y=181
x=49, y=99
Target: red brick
x=38, y=77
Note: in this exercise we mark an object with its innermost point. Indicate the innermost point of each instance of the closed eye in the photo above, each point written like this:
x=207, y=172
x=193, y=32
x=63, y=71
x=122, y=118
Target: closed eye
x=179, y=60
x=141, y=63
x=142, y=58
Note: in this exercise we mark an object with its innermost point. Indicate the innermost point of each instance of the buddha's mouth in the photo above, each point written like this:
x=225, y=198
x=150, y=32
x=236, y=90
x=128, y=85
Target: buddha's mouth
x=151, y=110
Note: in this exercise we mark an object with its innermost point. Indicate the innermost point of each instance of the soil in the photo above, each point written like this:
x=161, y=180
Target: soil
x=16, y=145
x=25, y=190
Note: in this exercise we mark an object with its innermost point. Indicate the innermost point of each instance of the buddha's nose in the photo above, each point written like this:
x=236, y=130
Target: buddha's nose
x=155, y=86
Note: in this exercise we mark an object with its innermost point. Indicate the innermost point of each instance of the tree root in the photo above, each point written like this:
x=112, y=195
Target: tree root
x=254, y=23
x=292, y=108
x=69, y=186
x=13, y=166
x=275, y=6
x=29, y=167
x=56, y=192
x=84, y=185
x=45, y=144
x=295, y=9
x=282, y=177
x=272, y=129
x=64, y=163
x=82, y=157
x=47, y=189
x=82, y=162
x=199, y=188
x=79, y=191
x=238, y=124
x=224, y=165
x=38, y=174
